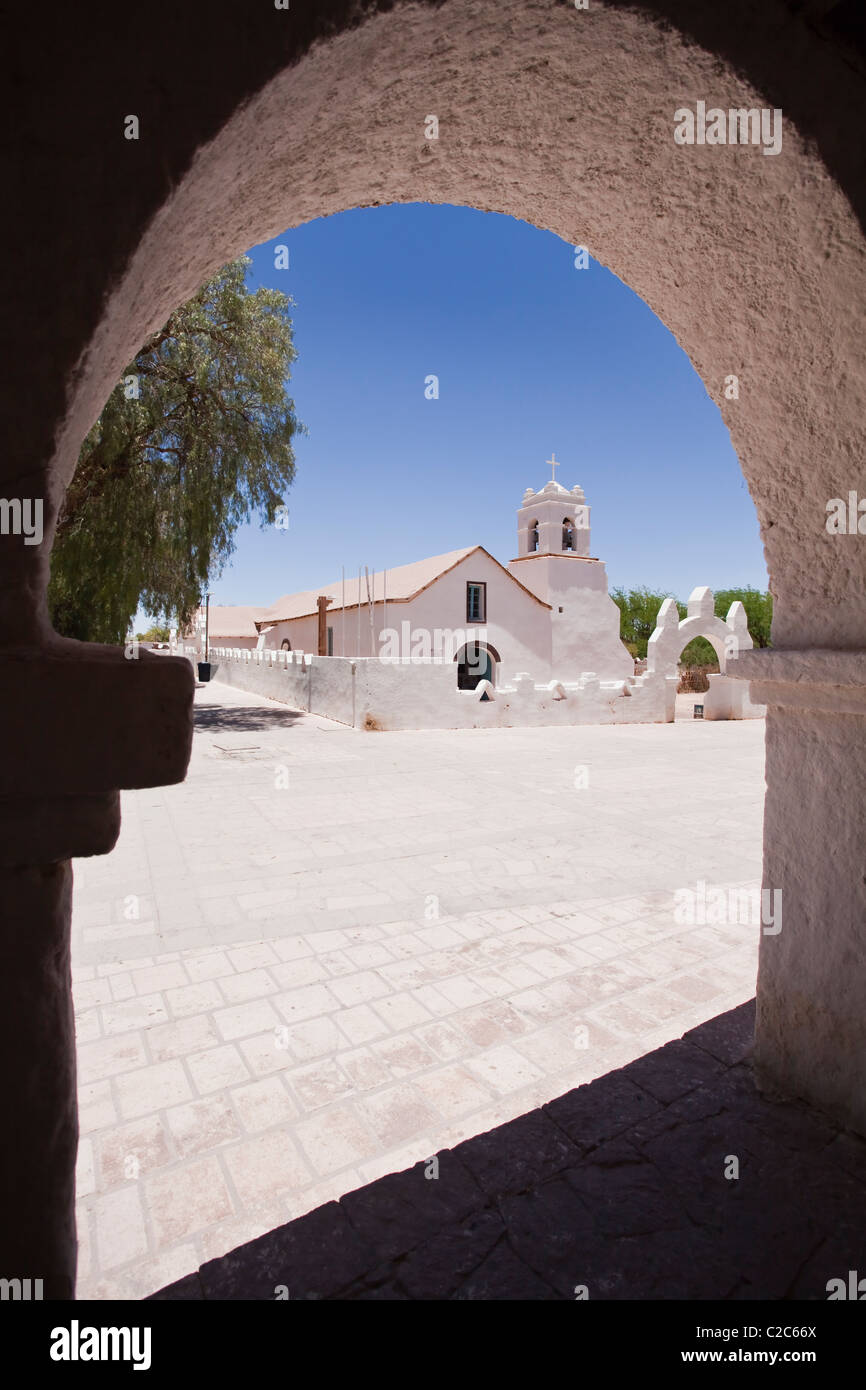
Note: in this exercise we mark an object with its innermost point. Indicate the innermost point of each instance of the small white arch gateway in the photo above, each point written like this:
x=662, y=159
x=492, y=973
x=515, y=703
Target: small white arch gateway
x=729, y=636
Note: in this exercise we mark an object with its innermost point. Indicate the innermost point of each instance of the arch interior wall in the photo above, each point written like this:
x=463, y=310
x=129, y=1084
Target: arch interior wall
x=560, y=117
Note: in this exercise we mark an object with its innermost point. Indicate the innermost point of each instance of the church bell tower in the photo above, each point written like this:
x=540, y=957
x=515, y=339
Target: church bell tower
x=552, y=525
x=554, y=563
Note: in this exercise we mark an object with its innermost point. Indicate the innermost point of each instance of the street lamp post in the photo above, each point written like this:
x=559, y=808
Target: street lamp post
x=204, y=664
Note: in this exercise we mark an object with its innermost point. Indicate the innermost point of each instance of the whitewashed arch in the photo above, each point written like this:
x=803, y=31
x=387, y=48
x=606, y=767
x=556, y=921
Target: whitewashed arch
x=729, y=636
x=558, y=116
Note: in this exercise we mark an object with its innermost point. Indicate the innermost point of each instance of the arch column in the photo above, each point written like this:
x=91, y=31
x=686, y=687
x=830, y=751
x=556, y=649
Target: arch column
x=811, y=1022
x=79, y=722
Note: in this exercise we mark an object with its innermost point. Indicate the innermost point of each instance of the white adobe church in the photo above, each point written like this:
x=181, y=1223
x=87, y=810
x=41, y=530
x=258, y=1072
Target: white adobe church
x=548, y=612
x=462, y=641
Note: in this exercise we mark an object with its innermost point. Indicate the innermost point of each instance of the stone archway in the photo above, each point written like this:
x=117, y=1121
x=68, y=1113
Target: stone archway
x=729, y=636
x=563, y=118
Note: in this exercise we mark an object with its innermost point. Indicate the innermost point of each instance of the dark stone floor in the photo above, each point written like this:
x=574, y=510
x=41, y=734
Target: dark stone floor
x=619, y=1186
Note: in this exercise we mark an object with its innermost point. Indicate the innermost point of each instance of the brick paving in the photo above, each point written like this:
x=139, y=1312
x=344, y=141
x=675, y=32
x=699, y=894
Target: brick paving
x=283, y=994
x=620, y=1189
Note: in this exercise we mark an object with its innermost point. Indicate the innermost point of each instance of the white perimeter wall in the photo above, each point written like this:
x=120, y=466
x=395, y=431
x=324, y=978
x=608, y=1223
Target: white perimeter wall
x=369, y=693
x=729, y=699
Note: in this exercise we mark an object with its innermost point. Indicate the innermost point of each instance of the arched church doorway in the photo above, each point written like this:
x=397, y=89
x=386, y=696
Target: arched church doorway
x=476, y=662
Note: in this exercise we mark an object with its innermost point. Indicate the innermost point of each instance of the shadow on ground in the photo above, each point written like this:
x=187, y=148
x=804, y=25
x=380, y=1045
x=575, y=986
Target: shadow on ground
x=624, y=1187
x=243, y=719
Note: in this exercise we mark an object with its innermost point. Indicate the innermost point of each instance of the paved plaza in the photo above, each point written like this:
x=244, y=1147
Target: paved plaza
x=620, y=1189
x=330, y=954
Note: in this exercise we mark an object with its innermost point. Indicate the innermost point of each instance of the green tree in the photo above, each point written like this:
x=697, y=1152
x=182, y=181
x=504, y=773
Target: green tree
x=157, y=632
x=193, y=441
x=699, y=652
x=639, y=609
x=759, y=611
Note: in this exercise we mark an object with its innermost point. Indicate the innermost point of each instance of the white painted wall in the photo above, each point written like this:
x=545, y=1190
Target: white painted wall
x=366, y=692
x=585, y=633
x=729, y=699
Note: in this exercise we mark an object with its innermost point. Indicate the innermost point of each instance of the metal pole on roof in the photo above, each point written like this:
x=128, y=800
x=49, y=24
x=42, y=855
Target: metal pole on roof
x=370, y=606
x=358, y=637
x=384, y=598
x=343, y=613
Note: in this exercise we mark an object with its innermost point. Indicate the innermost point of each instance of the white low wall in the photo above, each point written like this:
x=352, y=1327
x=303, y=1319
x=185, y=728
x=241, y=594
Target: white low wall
x=671, y=683
x=729, y=699
x=367, y=693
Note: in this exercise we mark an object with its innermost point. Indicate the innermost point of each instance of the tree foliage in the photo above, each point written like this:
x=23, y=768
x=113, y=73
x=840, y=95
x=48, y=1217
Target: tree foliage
x=194, y=440
x=639, y=611
x=759, y=611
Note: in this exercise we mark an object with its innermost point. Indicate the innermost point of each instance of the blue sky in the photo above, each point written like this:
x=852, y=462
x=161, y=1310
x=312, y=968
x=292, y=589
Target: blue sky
x=533, y=356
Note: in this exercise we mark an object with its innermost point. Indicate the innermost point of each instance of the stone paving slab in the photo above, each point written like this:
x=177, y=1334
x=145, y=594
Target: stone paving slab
x=204, y=1129
x=607, y=1188
x=233, y=1078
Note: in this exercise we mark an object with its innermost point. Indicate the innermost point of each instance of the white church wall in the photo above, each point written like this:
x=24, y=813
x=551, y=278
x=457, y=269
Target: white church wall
x=302, y=633
x=194, y=641
x=585, y=633
x=585, y=636
x=222, y=639
x=517, y=626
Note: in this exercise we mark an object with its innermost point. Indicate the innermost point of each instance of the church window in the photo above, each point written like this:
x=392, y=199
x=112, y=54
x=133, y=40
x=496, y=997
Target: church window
x=476, y=603
x=567, y=534
x=330, y=641
x=533, y=536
